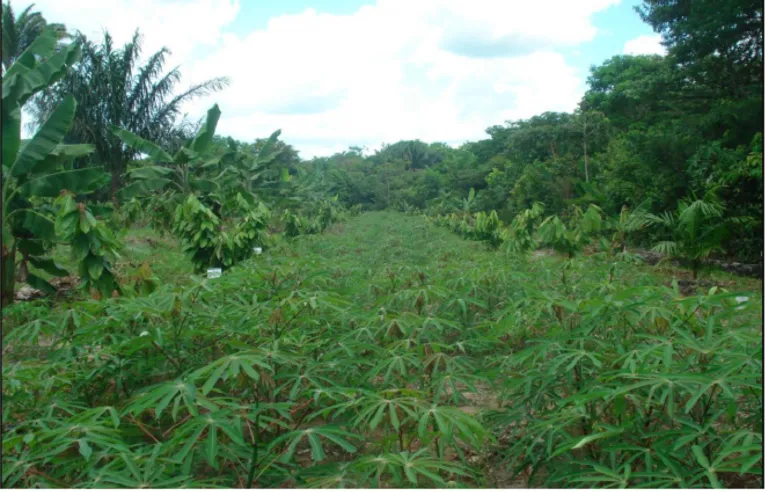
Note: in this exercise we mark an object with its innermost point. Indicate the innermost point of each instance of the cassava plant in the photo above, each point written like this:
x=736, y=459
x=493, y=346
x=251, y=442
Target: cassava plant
x=392, y=354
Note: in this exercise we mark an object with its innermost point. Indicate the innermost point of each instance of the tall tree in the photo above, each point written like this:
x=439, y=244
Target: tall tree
x=721, y=42
x=112, y=89
x=19, y=31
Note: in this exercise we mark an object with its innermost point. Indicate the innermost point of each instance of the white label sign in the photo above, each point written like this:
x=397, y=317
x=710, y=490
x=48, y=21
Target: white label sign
x=214, y=272
x=257, y=250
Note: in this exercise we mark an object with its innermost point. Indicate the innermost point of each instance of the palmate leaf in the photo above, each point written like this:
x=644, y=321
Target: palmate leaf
x=219, y=426
x=330, y=433
x=401, y=469
x=47, y=138
x=374, y=408
x=160, y=396
x=450, y=421
x=151, y=149
x=230, y=368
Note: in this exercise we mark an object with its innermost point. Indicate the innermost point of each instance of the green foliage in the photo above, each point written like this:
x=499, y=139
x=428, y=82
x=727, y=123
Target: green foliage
x=393, y=354
x=180, y=173
x=220, y=241
x=144, y=281
x=20, y=31
x=293, y=224
x=570, y=237
x=658, y=404
x=115, y=90
x=520, y=235
x=628, y=222
x=488, y=228
x=92, y=245
x=695, y=229
x=37, y=170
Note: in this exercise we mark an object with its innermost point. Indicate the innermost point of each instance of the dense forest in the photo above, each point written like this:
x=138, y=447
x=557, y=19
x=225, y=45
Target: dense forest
x=649, y=131
x=184, y=309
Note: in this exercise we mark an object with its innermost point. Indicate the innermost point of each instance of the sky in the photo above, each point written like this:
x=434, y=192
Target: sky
x=337, y=73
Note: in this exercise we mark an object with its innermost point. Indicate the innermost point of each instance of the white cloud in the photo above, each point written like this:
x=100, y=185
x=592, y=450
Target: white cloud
x=438, y=70
x=180, y=25
x=645, y=45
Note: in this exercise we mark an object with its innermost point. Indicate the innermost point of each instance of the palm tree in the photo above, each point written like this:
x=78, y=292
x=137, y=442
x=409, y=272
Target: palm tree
x=113, y=90
x=19, y=32
x=695, y=230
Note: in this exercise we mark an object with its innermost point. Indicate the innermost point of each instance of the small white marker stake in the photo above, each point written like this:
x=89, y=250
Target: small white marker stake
x=214, y=272
x=741, y=300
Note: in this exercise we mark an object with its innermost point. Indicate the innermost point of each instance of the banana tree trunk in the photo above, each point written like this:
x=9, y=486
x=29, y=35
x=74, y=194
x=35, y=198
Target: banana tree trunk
x=7, y=275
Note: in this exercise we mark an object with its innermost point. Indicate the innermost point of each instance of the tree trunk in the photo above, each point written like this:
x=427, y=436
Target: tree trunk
x=8, y=275
x=584, y=141
x=115, y=187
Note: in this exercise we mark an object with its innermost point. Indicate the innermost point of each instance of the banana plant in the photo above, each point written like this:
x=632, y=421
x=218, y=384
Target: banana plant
x=469, y=203
x=177, y=175
x=34, y=171
x=249, y=173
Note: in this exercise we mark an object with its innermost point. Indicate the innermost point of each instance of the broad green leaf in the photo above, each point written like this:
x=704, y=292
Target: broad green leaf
x=39, y=283
x=143, y=146
x=95, y=266
x=43, y=46
x=77, y=181
x=47, y=265
x=47, y=138
x=204, y=136
x=41, y=226
x=142, y=187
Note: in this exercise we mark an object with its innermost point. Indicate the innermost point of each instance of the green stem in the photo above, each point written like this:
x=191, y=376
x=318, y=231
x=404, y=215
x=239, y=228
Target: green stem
x=254, y=458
